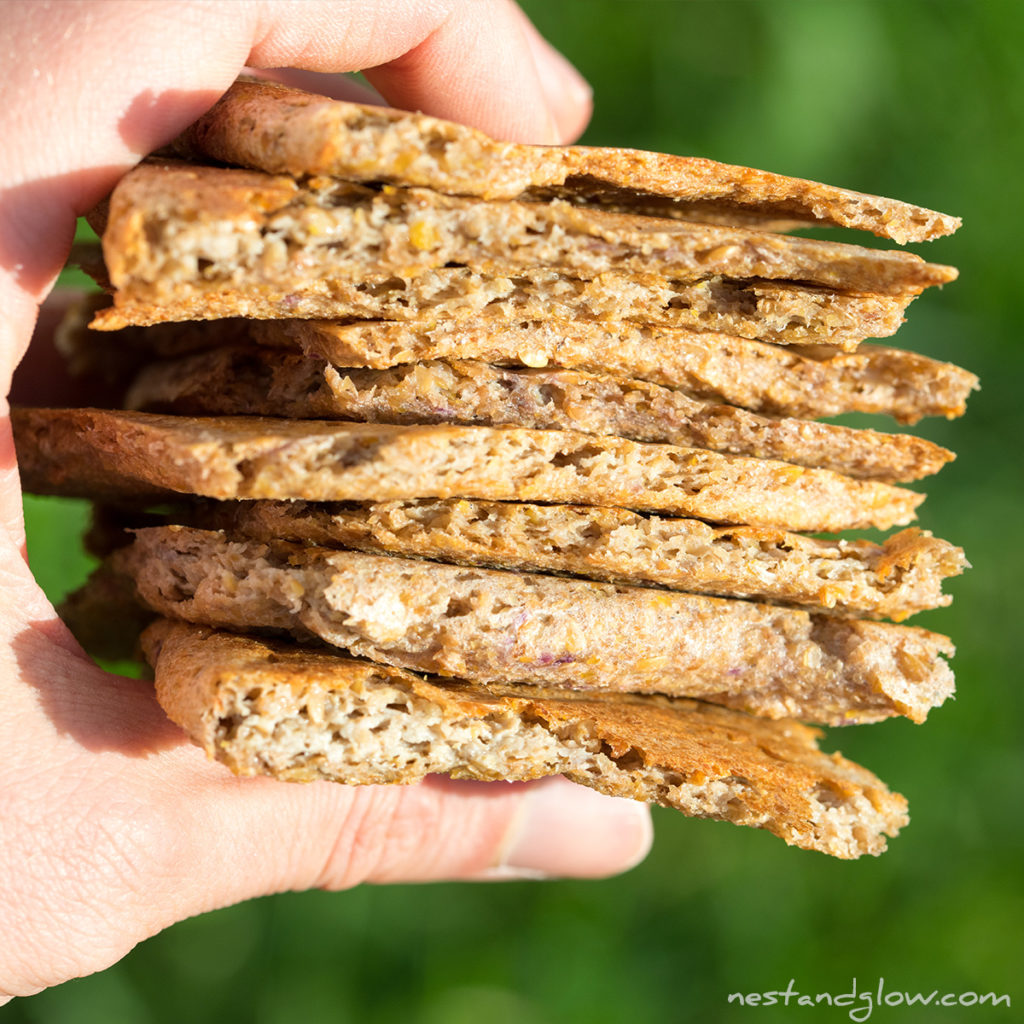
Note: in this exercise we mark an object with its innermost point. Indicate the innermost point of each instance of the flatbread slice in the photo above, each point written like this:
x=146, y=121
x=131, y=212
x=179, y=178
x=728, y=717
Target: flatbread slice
x=164, y=217
x=487, y=625
x=891, y=580
x=807, y=382
x=103, y=455
x=274, y=128
x=782, y=381
x=197, y=256
x=241, y=381
x=782, y=314
x=267, y=708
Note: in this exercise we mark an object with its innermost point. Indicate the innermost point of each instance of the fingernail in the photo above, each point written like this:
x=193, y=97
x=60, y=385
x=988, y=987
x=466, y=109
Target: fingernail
x=568, y=831
x=568, y=94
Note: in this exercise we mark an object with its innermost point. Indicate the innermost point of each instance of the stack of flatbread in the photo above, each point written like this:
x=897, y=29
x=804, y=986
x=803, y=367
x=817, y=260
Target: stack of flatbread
x=534, y=436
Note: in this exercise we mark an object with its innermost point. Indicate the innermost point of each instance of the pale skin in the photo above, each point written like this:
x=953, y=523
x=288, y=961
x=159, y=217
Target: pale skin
x=112, y=826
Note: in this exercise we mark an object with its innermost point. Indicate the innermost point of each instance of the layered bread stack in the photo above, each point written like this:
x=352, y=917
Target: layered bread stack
x=539, y=423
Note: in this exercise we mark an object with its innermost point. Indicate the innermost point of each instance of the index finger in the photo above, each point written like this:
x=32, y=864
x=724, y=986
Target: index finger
x=82, y=111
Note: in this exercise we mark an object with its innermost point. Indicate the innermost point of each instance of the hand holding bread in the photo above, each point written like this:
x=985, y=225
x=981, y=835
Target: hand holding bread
x=115, y=826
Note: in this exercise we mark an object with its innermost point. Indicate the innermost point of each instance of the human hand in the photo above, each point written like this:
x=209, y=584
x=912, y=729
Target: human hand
x=112, y=826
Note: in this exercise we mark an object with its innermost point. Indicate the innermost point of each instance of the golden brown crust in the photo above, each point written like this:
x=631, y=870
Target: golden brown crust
x=494, y=626
x=265, y=708
x=103, y=454
x=282, y=130
x=890, y=580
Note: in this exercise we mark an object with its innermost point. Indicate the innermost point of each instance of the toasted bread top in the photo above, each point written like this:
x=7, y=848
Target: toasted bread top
x=275, y=128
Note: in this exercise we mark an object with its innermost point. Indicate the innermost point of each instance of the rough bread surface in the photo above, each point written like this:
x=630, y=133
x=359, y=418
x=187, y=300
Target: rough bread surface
x=240, y=381
x=266, y=708
x=103, y=454
x=786, y=381
x=891, y=580
x=772, y=311
x=242, y=222
x=492, y=626
x=285, y=131
x=783, y=381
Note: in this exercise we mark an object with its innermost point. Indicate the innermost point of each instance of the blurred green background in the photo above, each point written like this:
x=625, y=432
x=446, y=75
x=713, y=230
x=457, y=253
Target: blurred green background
x=918, y=99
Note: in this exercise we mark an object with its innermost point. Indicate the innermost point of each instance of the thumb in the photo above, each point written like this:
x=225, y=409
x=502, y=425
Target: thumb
x=127, y=828
x=436, y=830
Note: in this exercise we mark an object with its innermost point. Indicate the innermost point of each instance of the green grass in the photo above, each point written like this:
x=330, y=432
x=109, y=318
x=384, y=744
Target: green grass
x=920, y=99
